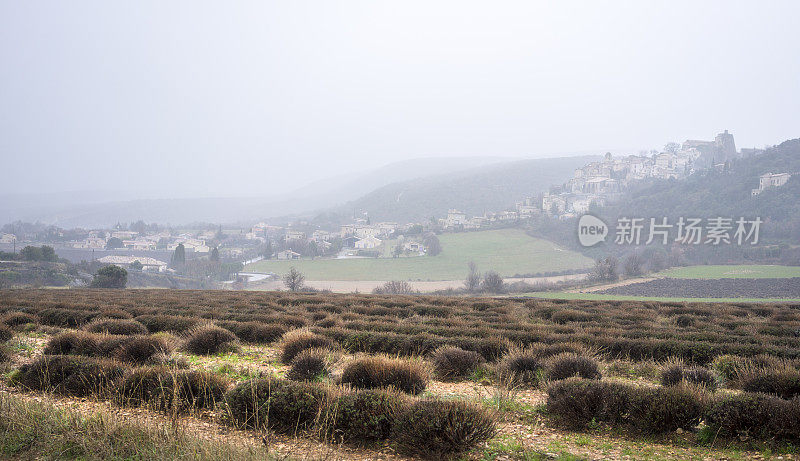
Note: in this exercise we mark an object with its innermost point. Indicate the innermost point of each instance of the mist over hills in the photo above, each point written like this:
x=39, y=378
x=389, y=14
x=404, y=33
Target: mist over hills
x=490, y=188
x=106, y=208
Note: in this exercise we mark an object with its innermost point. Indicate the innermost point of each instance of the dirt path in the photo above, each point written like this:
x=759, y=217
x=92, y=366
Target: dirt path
x=606, y=286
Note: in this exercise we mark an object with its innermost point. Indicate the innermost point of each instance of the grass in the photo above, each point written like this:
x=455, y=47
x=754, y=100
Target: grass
x=605, y=297
x=734, y=272
x=507, y=251
x=39, y=430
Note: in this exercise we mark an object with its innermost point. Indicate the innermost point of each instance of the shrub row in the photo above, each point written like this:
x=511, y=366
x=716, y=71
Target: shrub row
x=132, y=349
x=429, y=428
x=576, y=402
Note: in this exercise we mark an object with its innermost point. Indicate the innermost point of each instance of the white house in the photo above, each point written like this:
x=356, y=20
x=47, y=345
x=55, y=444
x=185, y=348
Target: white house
x=148, y=264
x=765, y=181
x=368, y=243
x=455, y=218
x=91, y=242
x=124, y=235
x=295, y=235
x=8, y=238
x=288, y=254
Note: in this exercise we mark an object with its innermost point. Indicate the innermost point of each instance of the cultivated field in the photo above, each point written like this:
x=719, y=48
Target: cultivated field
x=712, y=288
x=207, y=374
x=507, y=251
x=734, y=271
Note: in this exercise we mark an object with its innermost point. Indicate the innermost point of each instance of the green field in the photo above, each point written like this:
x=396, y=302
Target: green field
x=604, y=297
x=507, y=251
x=727, y=272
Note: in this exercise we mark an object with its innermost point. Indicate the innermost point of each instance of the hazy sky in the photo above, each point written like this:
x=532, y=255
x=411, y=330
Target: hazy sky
x=227, y=98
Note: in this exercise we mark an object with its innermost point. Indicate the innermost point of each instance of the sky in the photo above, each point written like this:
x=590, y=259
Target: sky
x=207, y=98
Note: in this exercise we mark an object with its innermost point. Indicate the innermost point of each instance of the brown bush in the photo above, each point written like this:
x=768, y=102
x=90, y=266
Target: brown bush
x=116, y=327
x=309, y=365
x=372, y=372
x=208, y=339
x=435, y=429
x=297, y=341
x=450, y=362
x=567, y=365
x=73, y=342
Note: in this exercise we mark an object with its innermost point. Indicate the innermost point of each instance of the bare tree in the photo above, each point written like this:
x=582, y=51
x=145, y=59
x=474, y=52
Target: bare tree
x=605, y=269
x=473, y=281
x=493, y=282
x=293, y=280
x=395, y=287
x=634, y=265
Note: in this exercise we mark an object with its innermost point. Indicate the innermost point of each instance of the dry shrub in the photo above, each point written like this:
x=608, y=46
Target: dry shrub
x=166, y=389
x=365, y=415
x=116, y=327
x=73, y=342
x=6, y=333
x=112, y=313
x=576, y=402
x=434, y=429
x=371, y=372
x=568, y=364
x=256, y=332
x=522, y=366
x=297, y=341
x=780, y=381
x=675, y=372
x=17, y=319
x=755, y=415
x=65, y=318
x=450, y=362
x=173, y=323
x=69, y=375
x=281, y=405
x=570, y=315
x=209, y=339
x=309, y=365
x=143, y=349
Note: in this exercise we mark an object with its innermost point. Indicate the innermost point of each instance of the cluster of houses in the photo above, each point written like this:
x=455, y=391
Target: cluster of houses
x=604, y=181
x=358, y=235
x=131, y=240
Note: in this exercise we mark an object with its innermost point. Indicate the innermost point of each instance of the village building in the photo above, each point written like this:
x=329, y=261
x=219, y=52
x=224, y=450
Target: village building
x=95, y=243
x=295, y=235
x=148, y=264
x=368, y=243
x=139, y=244
x=124, y=235
x=768, y=180
x=287, y=255
x=8, y=238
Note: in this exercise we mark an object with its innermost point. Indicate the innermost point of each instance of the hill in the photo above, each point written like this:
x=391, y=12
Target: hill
x=105, y=208
x=488, y=188
x=727, y=193
x=507, y=251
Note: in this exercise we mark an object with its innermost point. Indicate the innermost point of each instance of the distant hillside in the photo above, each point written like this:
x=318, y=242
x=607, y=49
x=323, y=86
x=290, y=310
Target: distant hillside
x=103, y=209
x=488, y=188
x=727, y=194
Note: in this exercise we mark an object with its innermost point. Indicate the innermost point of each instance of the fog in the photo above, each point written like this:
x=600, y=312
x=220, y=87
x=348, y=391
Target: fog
x=195, y=98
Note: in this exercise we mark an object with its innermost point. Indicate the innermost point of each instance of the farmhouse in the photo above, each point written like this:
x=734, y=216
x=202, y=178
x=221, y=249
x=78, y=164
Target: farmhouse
x=148, y=264
x=765, y=181
x=368, y=243
x=288, y=255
